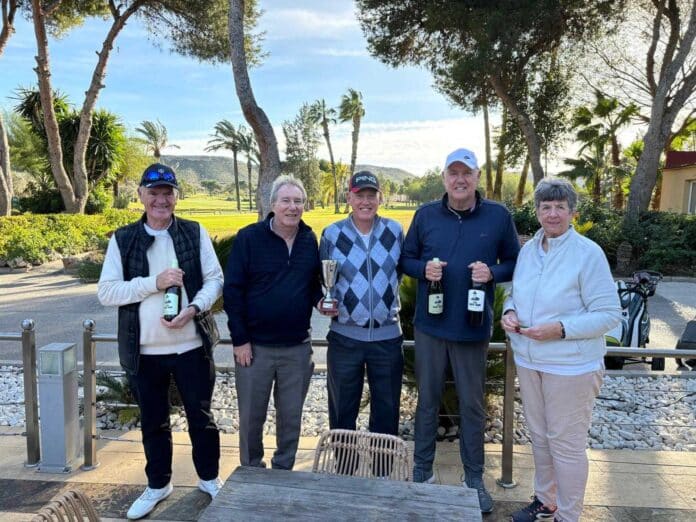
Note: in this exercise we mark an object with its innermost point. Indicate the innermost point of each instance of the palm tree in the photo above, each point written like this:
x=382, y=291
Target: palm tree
x=352, y=109
x=597, y=127
x=229, y=137
x=249, y=147
x=325, y=115
x=156, y=138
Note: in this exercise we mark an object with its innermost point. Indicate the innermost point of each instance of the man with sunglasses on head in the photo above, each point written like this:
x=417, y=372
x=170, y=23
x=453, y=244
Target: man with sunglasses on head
x=138, y=268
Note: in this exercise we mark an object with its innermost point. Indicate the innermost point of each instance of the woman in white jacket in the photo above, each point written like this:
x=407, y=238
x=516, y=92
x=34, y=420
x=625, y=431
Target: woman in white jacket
x=563, y=301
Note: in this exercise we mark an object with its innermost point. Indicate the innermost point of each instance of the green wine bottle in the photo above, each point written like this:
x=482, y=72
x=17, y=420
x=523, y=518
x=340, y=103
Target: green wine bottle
x=172, y=299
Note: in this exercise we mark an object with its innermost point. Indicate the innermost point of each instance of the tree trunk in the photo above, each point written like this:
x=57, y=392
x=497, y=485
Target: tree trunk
x=519, y=197
x=666, y=103
x=618, y=199
x=500, y=167
x=55, y=152
x=269, y=167
x=644, y=179
x=487, y=138
x=80, y=172
x=6, y=189
x=354, y=150
x=657, y=194
x=8, y=29
x=249, y=186
x=236, y=180
x=325, y=126
x=526, y=127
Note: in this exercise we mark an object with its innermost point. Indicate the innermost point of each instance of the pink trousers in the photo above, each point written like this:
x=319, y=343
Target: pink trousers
x=558, y=410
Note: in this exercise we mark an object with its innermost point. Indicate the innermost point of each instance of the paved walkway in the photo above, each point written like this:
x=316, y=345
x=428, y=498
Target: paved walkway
x=623, y=485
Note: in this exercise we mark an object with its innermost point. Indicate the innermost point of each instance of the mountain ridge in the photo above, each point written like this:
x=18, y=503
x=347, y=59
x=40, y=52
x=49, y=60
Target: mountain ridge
x=197, y=168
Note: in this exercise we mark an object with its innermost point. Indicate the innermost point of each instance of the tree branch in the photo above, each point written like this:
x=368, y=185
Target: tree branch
x=8, y=29
x=674, y=25
x=650, y=59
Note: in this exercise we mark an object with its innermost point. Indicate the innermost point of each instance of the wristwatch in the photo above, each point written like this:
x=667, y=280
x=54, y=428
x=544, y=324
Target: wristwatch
x=562, y=330
x=196, y=308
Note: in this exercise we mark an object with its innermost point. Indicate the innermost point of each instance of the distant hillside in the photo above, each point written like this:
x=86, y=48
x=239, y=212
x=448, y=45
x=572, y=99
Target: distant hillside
x=199, y=168
x=396, y=175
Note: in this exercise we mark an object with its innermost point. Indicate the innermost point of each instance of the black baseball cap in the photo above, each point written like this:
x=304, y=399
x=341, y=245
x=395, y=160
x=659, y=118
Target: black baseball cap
x=157, y=175
x=363, y=180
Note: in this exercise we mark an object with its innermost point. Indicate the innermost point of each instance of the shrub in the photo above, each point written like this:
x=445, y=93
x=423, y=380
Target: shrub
x=99, y=200
x=38, y=238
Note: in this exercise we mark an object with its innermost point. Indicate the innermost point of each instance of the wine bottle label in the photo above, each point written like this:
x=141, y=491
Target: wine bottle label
x=435, y=303
x=476, y=300
x=171, y=304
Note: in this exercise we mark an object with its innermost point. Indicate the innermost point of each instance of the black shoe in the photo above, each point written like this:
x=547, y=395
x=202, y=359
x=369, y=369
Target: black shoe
x=484, y=498
x=534, y=511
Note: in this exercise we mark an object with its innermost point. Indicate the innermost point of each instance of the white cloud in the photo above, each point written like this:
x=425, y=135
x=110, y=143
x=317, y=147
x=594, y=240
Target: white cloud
x=294, y=24
x=415, y=146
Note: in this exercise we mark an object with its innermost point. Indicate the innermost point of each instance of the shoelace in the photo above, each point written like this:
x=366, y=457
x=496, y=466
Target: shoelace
x=150, y=494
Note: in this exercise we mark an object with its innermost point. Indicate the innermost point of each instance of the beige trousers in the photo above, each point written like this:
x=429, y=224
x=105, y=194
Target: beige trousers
x=558, y=409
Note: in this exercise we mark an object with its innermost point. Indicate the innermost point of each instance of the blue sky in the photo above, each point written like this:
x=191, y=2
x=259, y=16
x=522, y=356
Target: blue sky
x=316, y=50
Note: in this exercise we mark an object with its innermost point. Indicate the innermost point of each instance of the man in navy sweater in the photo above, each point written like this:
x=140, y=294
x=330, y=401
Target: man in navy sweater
x=475, y=240
x=272, y=282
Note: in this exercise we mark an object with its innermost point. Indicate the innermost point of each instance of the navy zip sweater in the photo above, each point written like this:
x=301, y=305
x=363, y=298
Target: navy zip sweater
x=268, y=293
x=487, y=234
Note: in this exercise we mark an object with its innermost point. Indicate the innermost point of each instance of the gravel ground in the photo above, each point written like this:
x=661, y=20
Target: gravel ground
x=655, y=413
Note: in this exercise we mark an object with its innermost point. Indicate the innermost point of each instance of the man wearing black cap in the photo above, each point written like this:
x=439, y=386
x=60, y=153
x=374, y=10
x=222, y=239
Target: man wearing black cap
x=142, y=260
x=365, y=333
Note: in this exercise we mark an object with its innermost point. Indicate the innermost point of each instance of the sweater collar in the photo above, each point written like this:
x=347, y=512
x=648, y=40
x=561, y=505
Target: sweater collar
x=554, y=242
x=472, y=210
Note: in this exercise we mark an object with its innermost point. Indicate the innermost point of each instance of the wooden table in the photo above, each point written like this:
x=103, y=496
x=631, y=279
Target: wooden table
x=266, y=494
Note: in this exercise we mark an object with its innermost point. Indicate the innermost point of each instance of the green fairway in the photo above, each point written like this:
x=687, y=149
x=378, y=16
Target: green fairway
x=224, y=224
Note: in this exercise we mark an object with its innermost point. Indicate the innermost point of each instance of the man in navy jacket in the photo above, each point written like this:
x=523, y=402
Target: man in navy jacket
x=271, y=285
x=475, y=240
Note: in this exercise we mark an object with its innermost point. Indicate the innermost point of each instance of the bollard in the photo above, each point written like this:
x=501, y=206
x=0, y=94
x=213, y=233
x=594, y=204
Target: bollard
x=31, y=405
x=506, y=480
x=89, y=374
x=60, y=423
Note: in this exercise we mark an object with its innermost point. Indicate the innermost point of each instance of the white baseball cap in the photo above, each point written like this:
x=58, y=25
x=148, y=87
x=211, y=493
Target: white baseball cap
x=466, y=156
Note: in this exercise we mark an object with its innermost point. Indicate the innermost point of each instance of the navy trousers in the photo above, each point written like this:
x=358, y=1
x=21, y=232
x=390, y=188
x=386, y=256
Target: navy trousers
x=194, y=374
x=347, y=361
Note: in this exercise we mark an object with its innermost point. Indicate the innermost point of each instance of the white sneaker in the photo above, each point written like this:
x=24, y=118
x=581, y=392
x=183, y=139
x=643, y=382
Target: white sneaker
x=211, y=487
x=148, y=500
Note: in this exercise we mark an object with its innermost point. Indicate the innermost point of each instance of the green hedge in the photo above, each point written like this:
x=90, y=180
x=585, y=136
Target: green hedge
x=660, y=241
x=36, y=238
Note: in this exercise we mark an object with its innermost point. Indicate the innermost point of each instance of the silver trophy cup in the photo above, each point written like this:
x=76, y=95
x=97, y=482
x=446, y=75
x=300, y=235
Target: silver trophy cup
x=329, y=271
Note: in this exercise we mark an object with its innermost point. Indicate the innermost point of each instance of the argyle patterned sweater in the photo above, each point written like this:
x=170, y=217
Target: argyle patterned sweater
x=367, y=286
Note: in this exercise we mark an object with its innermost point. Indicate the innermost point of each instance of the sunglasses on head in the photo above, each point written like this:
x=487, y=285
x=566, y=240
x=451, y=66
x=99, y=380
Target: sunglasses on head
x=153, y=175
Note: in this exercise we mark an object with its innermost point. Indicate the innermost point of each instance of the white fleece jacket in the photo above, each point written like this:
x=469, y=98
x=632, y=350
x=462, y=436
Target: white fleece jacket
x=572, y=284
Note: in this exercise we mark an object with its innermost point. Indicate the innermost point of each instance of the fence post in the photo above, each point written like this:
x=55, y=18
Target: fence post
x=31, y=406
x=89, y=367
x=506, y=480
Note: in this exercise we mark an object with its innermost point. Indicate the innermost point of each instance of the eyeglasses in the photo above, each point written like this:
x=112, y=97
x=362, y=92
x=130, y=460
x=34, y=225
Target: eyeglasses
x=286, y=202
x=154, y=175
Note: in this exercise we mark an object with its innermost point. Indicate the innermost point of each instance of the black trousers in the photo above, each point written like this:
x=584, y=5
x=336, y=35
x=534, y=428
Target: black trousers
x=194, y=374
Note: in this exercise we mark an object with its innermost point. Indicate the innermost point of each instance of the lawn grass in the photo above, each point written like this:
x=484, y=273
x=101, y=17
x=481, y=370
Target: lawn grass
x=222, y=225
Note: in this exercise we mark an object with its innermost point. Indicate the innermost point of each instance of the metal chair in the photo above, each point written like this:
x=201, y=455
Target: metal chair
x=70, y=506
x=363, y=454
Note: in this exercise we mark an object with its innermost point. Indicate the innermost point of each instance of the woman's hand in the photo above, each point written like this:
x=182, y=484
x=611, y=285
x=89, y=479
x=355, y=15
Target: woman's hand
x=510, y=322
x=543, y=332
